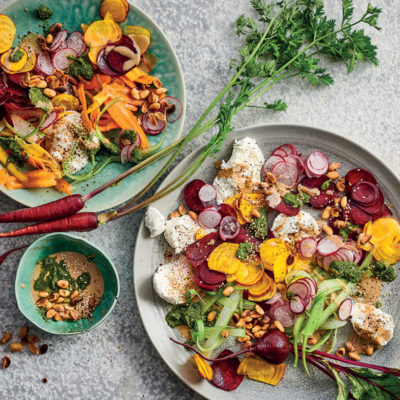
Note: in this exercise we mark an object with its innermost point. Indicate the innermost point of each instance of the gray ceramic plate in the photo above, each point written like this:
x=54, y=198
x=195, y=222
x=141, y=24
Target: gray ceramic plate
x=153, y=309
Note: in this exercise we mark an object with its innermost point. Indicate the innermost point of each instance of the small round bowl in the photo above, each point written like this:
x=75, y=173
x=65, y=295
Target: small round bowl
x=51, y=244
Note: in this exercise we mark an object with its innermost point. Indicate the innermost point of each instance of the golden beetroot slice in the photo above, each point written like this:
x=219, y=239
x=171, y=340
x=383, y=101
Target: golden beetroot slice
x=261, y=370
x=223, y=258
x=204, y=368
x=117, y=8
x=7, y=33
x=225, y=374
x=271, y=292
x=261, y=287
x=100, y=33
x=249, y=203
x=255, y=272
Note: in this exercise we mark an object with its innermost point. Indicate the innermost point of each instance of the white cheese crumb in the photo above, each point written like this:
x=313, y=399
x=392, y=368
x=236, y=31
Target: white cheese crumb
x=154, y=222
x=180, y=232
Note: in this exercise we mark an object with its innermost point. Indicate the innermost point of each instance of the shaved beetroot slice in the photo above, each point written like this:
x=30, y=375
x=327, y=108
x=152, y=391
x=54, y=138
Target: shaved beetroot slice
x=287, y=209
x=384, y=212
x=314, y=182
x=355, y=215
x=202, y=248
x=374, y=208
x=209, y=276
x=323, y=199
x=358, y=175
x=225, y=374
x=191, y=195
x=364, y=193
x=203, y=285
x=227, y=210
x=285, y=316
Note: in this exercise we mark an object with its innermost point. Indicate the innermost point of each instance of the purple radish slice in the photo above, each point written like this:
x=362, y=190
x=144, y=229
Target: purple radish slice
x=150, y=128
x=279, y=152
x=289, y=149
x=364, y=193
x=297, y=305
x=318, y=161
x=131, y=149
x=103, y=66
x=269, y=164
x=286, y=173
x=209, y=276
x=326, y=246
x=124, y=154
x=207, y=194
x=310, y=285
x=174, y=113
x=58, y=40
x=229, y=228
x=300, y=289
x=273, y=299
x=285, y=316
x=308, y=247
x=61, y=58
x=345, y=254
x=44, y=64
x=123, y=58
x=209, y=218
x=50, y=120
x=344, y=310
x=191, y=195
x=75, y=41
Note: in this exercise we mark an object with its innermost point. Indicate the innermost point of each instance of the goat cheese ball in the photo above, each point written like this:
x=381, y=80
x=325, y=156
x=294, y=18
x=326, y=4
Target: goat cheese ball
x=241, y=170
x=171, y=281
x=295, y=228
x=180, y=232
x=154, y=221
x=372, y=324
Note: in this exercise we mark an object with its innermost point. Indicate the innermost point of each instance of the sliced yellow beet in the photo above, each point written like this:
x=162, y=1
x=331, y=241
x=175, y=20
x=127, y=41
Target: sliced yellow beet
x=232, y=201
x=7, y=33
x=29, y=65
x=117, y=9
x=270, y=250
x=266, y=296
x=13, y=66
x=241, y=273
x=143, y=42
x=204, y=368
x=261, y=370
x=136, y=30
x=223, y=258
x=255, y=271
x=200, y=233
x=280, y=268
x=384, y=229
x=135, y=73
x=249, y=203
x=261, y=287
x=68, y=101
x=100, y=33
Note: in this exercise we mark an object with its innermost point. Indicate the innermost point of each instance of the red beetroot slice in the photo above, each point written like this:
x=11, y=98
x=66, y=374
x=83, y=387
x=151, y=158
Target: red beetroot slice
x=274, y=159
x=288, y=148
x=355, y=215
x=313, y=182
x=209, y=276
x=229, y=228
x=241, y=237
x=364, y=193
x=285, y=316
x=225, y=374
x=287, y=209
x=286, y=173
x=226, y=209
x=376, y=207
x=251, y=239
x=103, y=64
x=358, y=175
x=384, y=212
x=202, y=248
x=326, y=197
x=203, y=285
x=191, y=195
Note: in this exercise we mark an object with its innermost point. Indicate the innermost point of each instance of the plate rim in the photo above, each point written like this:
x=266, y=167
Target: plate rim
x=289, y=125
x=181, y=79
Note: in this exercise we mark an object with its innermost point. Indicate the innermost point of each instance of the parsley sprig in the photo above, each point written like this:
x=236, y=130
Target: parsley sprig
x=289, y=39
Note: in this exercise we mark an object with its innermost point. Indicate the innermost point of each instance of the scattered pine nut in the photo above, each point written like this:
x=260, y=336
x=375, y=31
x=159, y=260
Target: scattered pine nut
x=333, y=175
x=182, y=210
x=211, y=316
x=240, y=323
x=225, y=333
x=15, y=346
x=327, y=229
x=349, y=346
x=193, y=215
x=312, y=341
x=33, y=349
x=354, y=356
x=369, y=351
x=340, y=186
x=343, y=202
x=23, y=332
x=341, y=352
x=62, y=284
x=5, y=362
x=228, y=291
x=174, y=214
x=279, y=326
x=259, y=309
x=334, y=166
x=6, y=337
x=326, y=213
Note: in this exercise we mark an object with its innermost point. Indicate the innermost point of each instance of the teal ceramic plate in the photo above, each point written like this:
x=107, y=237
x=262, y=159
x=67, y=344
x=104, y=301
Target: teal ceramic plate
x=72, y=13
x=51, y=244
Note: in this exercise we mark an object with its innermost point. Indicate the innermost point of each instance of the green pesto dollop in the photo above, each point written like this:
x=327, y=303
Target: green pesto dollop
x=16, y=55
x=81, y=66
x=244, y=250
x=258, y=227
x=44, y=12
x=296, y=199
x=83, y=280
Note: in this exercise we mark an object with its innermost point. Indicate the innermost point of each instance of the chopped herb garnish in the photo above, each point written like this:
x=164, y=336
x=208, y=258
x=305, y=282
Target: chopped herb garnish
x=326, y=184
x=17, y=155
x=296, y=199
x=39, y=99
x=345, y=232
x=81, y=67
x=44, y=12
x=244, y=250
x=16, y=55
x=258, y=227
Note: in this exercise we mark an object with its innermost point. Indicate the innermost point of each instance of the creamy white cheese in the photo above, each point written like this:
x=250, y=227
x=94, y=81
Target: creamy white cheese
x=372, y=324
x=171, y=281
x=301, y=225
x=247, y=160
x=180, y=232
x=154, y=221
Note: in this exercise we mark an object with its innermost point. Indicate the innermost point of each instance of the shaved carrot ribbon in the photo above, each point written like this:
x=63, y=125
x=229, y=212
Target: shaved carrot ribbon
x=85, y=117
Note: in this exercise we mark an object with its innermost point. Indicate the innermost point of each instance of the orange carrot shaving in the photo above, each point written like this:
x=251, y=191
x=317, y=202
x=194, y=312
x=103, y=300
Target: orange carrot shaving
x=63, y=186
x=146, y=79
x=85, y=118
x=108, y=126
x=37, y=178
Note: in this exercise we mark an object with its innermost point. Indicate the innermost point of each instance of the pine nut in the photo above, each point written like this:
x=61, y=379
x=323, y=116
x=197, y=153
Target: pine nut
x=74, y=294
x=244, y=339
x=249, y=325
x=5, y=362
x=260, y=333
x=33, y=349
x=161, y=90
x=340, y=186
x=182, y=210
x=312, y=340
x=240, y=323
x=228, y=291
x=51, y=313
x=135, y=94
x=49, y=93
x=143, y=94
x=334, y=166
x=6, y=337
x=33, y=339
x=42, y=85
x=265, y=319
x=15, y=346
x=64, y=292
x=154, y=106
x=327, y=229
x=145, y=107
x=259, y=309
x=41, y=302
x=236, y=317
x=354, y=356
x=279, y=326
x=225, y=333
x=333, y=175
x=174, y=214
x=349, y=346
x=271, y=178
x=58, y=307
x=343, y=202
x=326, y=213
x=341, y=352
x=211, y=316
x=245, y=314
x=153, y=98
x=193, y=215
x=74, y=316
x=60, y=300
x=23, y=332
x=49, y=38
x=62, y=284
x=57, y=317
x=256, y=328
x=369, y=351
x=157, y=83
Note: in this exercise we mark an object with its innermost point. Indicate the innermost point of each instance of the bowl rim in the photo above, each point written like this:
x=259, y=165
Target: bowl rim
x=79, y=239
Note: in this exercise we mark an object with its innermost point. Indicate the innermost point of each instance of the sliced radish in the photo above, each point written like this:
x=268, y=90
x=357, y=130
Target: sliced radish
x=50, y=119
x=358, y=255
x=274, y=159
x=345, y=254
x=278, y=303
x=274, y=298
x=209, y=218
x=61, y=58
x=328, y=260
x=44, y=64
x=58, y=40
x=207, y=195
x=309, y=303
x=285, y=316
x=286, y=173
x=279, y=152
x=310, y=286
x=318, y=160
x=297, y=305
x=296, y=160
x=75, y=41
x=345, y=308
x=289, y=149
x=308, y=247
x=124, y=154
x=300, y=289
x=103, y=64
x=326, y=246
x=175, y=112
x=229, y=228
x=150, y=128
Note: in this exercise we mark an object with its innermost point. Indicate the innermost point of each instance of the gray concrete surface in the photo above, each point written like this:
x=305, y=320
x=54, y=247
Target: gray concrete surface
x=116, y=360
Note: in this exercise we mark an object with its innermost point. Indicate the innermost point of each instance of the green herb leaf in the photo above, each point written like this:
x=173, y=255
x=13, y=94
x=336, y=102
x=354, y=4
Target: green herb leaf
x=244, y=250
x=343, y=391
x=39, y=100
x=326, y=184
x=296, y=199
